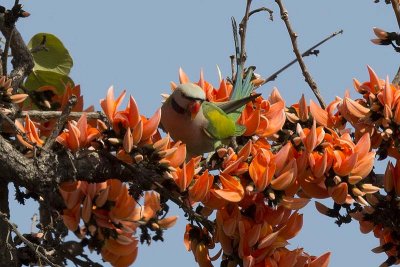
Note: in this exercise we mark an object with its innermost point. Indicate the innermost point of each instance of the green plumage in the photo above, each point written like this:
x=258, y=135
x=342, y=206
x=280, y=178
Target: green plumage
x=220, y=125
x=222, y=117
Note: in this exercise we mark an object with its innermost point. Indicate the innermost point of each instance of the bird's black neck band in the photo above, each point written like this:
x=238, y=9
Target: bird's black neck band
x=176, y=107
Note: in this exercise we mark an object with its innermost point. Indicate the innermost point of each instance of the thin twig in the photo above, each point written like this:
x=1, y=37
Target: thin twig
x=396, y=10
x=41, y=46
x=4, y=56
x=293, y=38
x=305, y=54
x=236, y=42
x=35, y=248
x=396, y=79
x=242, y=33
x=60, y=122
x=232, y=66
x=395, y=6
x=261, y=9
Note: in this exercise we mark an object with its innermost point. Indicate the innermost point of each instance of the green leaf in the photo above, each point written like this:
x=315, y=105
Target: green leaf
x=39, y=78
x=54, y=58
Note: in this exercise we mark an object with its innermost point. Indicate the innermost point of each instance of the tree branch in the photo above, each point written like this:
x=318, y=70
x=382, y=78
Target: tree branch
x=4, y=56
x=306, y=53
x=51, y=168
x=36, y=249
x=261, y=9
x=38, y=115
x=22, y=59
x=60, y=122
x=396, y=10
x=293, y=38
x=7, y=249
x=242, y=33
x=395, y=6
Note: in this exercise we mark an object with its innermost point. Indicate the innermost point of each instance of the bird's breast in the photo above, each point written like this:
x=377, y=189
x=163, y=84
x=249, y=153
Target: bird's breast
x=191, y=132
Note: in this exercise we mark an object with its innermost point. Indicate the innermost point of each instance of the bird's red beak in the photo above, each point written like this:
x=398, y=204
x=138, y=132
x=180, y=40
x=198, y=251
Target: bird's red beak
x=194, y=108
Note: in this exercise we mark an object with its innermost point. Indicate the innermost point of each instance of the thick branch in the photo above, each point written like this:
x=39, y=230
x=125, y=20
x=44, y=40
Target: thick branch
x=396, y=10
x=7, y=249
x=38, y=115
x=293, y=38
x=395, y=6
x=22, y=59
x=51, y=168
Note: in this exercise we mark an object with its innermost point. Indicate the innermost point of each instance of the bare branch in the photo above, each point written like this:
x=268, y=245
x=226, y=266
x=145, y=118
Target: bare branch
x=38, y=115
x=293, y=38
x=242, y=33
x=396, y=9
x=7, y=249
x=4, y=56
x=22, y=59
x=52, y=168
x=396, y=79
x=38, y=250
x=261, y=9
x=306, y=53
x=60, y=122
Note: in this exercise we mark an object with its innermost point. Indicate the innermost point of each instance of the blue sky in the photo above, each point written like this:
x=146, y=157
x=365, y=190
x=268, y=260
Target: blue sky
x=139, y=46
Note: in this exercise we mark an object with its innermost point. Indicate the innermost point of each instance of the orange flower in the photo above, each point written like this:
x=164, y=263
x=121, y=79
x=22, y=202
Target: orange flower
x=69, y=91
x=71, y=193
x=120, y=254
x=262, y=169
x=71, y=217
x=353, y=160
x=171, y=154
x=235, y=164
x=373, y=86
x=109, y=105
x=198, y=241
x=78, y=134
x=212, y=94
x=141, y=128
x=201, y=187
x=311, y=138
x=183, y=176
x=328, y=117
x=301, y=111
x=232, y=190
x=31, y=133
x=262, y=117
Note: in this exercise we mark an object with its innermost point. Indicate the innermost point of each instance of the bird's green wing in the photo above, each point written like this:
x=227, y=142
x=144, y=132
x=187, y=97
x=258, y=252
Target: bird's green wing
x=242, y=88
x=220, y=125
x=241, y=93
x=233, y=105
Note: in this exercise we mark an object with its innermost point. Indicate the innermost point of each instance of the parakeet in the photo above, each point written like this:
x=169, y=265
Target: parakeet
x=187, y=116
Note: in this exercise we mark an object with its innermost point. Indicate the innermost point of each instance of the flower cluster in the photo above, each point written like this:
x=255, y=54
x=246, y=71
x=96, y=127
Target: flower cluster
x=254, y=188
x=111, y=215
x=108, y=210
x=375, y=115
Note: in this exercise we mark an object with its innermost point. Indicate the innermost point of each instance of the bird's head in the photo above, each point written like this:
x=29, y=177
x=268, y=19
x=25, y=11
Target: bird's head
x=187, y=99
